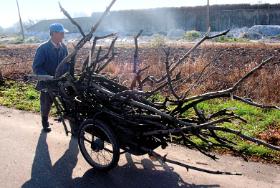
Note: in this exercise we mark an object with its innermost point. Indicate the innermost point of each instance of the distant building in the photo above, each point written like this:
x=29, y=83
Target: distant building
x=163, y=20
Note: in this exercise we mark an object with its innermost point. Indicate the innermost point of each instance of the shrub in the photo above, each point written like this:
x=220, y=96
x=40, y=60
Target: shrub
x=158, y=41
x=192, y=35
x=32, y=40
x=230, y=39
x=17, y=40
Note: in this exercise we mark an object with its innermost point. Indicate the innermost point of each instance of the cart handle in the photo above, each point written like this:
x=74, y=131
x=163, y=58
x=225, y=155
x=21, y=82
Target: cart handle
x=39, y=77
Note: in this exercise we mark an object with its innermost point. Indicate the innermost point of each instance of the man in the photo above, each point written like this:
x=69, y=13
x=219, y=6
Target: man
x=47, y=58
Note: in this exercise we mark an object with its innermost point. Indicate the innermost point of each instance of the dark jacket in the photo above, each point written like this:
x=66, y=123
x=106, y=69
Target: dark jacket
x=46, y=60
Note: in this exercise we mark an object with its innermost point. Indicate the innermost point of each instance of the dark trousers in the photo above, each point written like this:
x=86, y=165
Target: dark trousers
x=45, y=104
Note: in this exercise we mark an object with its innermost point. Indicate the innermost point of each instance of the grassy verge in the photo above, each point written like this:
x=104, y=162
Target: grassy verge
x=23, y=96
x=259, y=122
x=20, y=96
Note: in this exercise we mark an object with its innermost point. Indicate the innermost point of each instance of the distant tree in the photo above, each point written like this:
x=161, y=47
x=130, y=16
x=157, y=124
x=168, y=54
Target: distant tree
x=20, y=21
x=15, y=28
x=29, y=23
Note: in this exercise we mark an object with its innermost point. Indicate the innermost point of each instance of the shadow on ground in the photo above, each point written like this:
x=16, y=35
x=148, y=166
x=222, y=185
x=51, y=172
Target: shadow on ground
x=44, y=174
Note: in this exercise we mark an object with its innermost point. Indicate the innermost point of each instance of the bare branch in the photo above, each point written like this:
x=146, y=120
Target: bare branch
x=163, y=159
x=84, y=40
x=238, y=133
x=169, y=80
x=250, y=102
x=72, y=20
x=182, y=59
x=244, y=78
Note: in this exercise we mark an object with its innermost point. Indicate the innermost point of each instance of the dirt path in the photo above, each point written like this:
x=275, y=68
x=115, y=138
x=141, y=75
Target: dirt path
x=30, y=158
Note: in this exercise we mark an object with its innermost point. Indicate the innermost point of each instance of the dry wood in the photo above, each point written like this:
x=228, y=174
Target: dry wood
x=142, y=124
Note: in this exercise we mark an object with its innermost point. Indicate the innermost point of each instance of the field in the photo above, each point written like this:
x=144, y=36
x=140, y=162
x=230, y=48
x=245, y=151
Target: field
x=228, y=62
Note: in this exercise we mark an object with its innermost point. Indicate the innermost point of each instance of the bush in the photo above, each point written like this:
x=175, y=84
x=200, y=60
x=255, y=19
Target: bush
x=158, y=41
x=251, y=36
x=192, y=35
x=230, y=39
x=32, y=40
x=17, y=40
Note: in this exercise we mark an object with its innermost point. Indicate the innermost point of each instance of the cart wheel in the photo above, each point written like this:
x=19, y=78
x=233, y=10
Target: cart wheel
x=99, y=145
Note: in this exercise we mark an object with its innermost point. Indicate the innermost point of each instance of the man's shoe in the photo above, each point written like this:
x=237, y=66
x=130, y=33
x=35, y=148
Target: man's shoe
x=47, y=129
x=45, y=124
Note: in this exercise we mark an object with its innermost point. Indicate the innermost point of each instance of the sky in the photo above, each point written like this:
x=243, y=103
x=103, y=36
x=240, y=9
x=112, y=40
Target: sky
x=49, y=9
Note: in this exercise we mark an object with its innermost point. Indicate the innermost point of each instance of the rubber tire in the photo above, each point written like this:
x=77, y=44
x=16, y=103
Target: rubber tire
x=110, y=134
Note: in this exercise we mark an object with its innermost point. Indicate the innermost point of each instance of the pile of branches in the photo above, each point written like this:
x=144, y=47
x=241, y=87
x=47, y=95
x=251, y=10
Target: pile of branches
x=136, y=106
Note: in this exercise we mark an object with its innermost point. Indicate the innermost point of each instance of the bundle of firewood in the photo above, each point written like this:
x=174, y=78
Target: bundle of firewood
x=153, y=121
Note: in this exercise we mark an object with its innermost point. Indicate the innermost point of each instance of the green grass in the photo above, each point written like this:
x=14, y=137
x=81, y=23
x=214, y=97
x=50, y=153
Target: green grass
x=20, y=96
x=258, y=120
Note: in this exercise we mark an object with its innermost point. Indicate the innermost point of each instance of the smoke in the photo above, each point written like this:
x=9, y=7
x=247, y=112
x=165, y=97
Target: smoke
x=131, y=21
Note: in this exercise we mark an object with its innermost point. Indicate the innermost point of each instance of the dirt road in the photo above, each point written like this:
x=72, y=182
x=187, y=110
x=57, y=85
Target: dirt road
x=32, y=159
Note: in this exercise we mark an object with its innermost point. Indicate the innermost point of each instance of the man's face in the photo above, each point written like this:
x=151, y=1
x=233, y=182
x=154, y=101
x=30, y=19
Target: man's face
x=57, y=36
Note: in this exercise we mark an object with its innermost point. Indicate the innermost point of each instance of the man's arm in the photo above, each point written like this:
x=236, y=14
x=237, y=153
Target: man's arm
x=38, y=63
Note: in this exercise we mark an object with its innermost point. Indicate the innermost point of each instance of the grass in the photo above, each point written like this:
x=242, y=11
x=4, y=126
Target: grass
x=258, y=121
x=20, y=96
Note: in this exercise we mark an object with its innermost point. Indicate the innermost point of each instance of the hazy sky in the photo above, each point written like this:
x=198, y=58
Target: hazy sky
x=47, y=9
